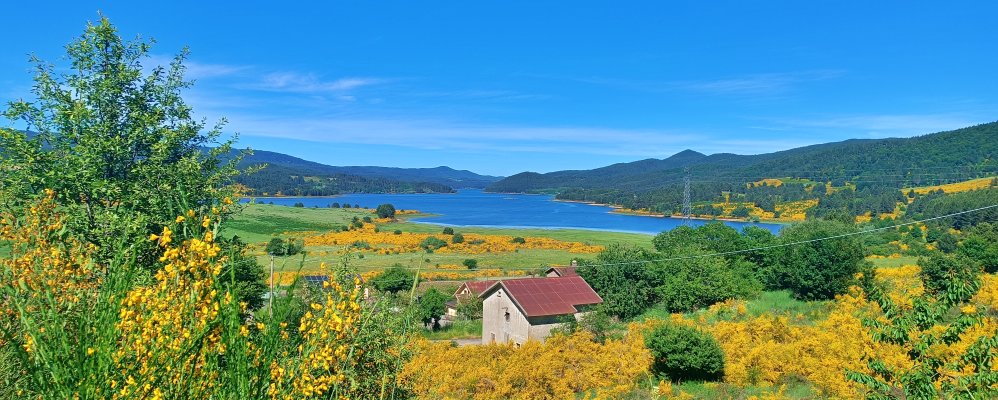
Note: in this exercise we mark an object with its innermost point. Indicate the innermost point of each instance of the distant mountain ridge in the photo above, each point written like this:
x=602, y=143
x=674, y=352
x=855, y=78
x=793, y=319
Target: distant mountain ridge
x=287, y=175
x=908, y=158
x=440, y=175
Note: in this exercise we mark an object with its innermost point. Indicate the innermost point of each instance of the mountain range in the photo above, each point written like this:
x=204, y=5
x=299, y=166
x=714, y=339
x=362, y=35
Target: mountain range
x=290, y=175
x=930, y=159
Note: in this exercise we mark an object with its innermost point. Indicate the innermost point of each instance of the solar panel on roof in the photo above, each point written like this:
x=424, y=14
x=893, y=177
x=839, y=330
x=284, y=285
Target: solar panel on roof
x=315, y=279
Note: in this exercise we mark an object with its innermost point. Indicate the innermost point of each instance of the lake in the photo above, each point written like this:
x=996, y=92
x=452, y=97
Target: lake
x=477, y=208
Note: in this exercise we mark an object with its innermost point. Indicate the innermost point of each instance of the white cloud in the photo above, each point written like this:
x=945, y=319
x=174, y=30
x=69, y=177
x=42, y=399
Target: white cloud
x=311, y=83
x=195, y=69
x=436, y=134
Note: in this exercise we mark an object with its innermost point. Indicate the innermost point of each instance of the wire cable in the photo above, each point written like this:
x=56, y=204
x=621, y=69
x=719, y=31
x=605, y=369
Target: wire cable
x=798, y=242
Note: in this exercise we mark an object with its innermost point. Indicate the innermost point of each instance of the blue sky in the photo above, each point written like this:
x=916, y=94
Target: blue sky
x=504, y=87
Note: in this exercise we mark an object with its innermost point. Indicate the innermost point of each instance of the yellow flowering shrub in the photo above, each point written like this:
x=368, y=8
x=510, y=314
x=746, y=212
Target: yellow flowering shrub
x=160, y=324
x=965, y=186
x=119, y=331
x=795, y=210
x=561, y=367
x=408, y=242
x=903, y=283
x=767, y=350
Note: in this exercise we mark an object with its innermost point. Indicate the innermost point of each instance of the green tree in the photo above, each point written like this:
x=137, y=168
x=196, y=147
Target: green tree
x=471, y=263
x=432, y=243
x=431, y=306
x=597, y=322
x=621, y=276
x=244, y=274
x=695, y=282
x=457, y=238
x=939, y=270
x=684, y=353
x=276, y=247
x=950, y=285
x=282, y=248
x=448, y=231
x=386, y=211
x=394, y=279
x=113, y=137
x=981, y=244
x=815, y=270
x=715, y=237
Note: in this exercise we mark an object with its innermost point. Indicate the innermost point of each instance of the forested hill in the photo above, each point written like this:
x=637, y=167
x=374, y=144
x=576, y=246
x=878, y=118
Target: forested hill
x=873, y=169
x=280, y=174
x=444, y=176
x=973, y=148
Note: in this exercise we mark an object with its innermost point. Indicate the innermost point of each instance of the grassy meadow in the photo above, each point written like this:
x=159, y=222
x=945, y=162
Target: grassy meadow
x=258, y=223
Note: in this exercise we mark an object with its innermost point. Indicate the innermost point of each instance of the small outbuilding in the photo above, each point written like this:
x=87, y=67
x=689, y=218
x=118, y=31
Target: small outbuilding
x=562, y=270
x=518, y=310
x=468, y=291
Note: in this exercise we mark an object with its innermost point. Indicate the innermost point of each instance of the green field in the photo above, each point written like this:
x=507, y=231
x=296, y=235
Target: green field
x=894, y=262
x=258, y=223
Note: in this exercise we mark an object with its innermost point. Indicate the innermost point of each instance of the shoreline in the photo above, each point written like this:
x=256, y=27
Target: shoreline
x=625, y=211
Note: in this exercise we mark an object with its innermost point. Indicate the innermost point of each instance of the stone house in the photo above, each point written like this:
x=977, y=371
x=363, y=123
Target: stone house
x=518, y=310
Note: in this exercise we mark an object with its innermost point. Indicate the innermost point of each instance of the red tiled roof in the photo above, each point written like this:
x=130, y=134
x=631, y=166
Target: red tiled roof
x=564, y=271
x=476, y=287
x=539, y=297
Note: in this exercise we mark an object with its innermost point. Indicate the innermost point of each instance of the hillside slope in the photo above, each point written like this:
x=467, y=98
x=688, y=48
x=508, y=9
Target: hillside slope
x=860, y=177
x=440, y=175
x=930, y=159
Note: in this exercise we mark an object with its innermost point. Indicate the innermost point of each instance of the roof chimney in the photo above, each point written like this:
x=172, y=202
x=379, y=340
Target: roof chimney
x=575, y=263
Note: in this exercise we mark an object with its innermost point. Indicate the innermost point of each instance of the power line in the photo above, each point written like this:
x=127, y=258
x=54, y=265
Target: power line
x=795, y=243
x=731, y=252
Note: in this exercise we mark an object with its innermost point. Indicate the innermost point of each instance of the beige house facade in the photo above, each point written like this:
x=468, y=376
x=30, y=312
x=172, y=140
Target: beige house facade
x=518, y=310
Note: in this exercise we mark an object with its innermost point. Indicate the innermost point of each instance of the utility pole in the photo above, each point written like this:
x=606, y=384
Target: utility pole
x=271, y=297
x=687, y=206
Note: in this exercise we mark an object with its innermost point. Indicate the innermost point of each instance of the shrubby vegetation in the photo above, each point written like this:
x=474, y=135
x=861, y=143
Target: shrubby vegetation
x=816, y=270
x=684, y=353
x=394, y=279
x=117, y=283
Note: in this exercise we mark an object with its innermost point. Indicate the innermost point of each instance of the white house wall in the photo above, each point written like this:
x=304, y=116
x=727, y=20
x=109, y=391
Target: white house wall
x=494, y=308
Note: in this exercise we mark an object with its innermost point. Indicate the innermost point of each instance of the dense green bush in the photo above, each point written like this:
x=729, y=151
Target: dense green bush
x=694, y=283
x=816, y=270
x=395, y=278
x=621, y=276
x=432, y=243
x=939, y=269
x=457, y=238
x=386, y=211
x=431, y=306
x=281, y=248
x=981, y=245
x=684, y=353
x=518, y=240
x=471, y=263
x=448, y=231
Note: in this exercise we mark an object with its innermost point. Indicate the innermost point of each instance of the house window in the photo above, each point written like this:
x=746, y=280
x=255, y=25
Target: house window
x=507, y=316
x=493, y=338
